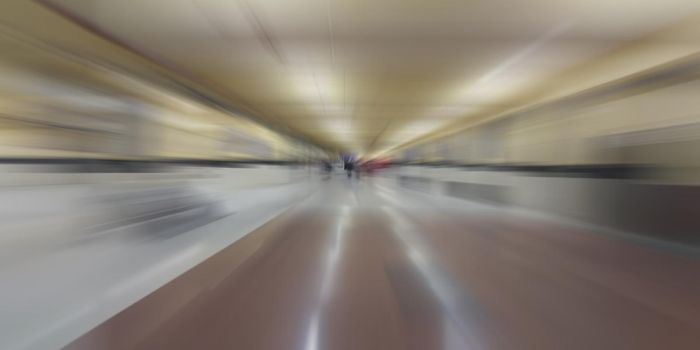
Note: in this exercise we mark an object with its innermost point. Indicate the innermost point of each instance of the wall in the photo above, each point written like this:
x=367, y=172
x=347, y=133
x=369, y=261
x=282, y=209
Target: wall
x=663, y=211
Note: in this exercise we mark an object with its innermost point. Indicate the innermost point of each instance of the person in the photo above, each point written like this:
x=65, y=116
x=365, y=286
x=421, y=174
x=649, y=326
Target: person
x=349, y=166
x=328, y=169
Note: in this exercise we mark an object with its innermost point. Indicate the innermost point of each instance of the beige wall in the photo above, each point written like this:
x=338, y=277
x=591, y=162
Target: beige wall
x=660, y=126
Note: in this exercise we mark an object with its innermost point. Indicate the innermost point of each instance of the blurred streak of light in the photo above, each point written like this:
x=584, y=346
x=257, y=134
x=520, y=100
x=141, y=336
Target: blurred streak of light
x=327, y=278
x=159, y=88
x=163, y=86
x=444, y=290
x=312, y=335
x=496, y=83
x=536, y=45
x=318, y=90
x=421, y=127
x=322, y=92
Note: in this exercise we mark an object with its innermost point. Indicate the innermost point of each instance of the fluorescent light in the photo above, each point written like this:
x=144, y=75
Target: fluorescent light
x=339, y=124
x=317, y=89
x=502, y=80
x=422, y=126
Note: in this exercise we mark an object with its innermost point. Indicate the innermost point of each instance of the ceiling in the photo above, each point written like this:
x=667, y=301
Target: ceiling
x=366, y=76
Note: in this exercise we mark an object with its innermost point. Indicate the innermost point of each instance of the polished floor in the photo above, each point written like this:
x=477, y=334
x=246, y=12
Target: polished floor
x=362, y=264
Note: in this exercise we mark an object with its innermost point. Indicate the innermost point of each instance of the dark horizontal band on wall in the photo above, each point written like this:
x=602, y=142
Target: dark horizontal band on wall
x=601, y=171
x=144, y=165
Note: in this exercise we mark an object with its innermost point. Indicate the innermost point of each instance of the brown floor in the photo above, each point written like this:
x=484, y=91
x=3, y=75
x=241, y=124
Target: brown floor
x=358, y=266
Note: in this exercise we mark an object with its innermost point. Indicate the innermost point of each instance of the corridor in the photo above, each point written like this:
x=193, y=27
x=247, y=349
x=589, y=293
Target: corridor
x=364, y=264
